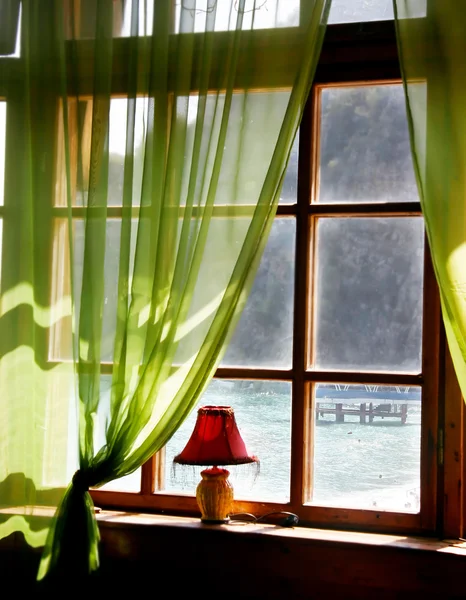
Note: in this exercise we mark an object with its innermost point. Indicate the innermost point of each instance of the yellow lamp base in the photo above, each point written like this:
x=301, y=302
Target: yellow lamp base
x=214, y=495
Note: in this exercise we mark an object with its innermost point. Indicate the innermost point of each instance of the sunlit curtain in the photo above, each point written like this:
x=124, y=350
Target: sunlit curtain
x=432, y=49
x=147, y=144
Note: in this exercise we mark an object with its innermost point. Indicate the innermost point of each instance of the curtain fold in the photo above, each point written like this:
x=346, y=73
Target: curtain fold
x=151, y=144
x=432, y=51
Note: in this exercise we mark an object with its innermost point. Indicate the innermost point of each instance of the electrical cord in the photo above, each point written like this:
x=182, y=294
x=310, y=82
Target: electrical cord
x=290, y=519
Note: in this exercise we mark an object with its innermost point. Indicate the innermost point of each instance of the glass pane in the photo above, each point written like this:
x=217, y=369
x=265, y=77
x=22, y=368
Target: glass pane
x=368, y=313
x=367, y=441
x=355, y=11
x=117, y=149
x=84, y=26
x=10, y=28
x=263, y=337
x=2, y=149
x=132, y=482
x=123, y=13
x=289, y=193
x=80, y=116
x=365, y=153
x=258, y=14
x=61, y=342
x=242, y=176
x=111, y=273
x=129, y=483
x=263, y=415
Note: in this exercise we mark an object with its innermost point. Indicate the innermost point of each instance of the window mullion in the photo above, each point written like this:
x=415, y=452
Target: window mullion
x=453, y=459
x=432, y=397
x=300, y=420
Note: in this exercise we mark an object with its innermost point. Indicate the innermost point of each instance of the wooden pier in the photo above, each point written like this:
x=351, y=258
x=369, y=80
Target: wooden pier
x=366, y=412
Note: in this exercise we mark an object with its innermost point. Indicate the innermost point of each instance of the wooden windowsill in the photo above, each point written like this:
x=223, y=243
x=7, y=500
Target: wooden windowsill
x=126, y=520
x=114, y=520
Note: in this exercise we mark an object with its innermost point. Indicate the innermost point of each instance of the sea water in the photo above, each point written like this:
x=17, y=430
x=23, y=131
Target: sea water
x=366, y=466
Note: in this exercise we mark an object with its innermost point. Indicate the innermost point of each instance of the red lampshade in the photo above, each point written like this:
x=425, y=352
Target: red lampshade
x=215, y=440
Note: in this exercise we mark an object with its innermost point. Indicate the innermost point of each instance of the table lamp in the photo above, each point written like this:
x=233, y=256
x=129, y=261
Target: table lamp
x=215, y=441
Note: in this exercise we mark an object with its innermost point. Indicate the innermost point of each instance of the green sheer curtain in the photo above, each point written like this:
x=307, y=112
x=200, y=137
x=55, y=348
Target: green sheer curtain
x=432, y=49
x=146, y=148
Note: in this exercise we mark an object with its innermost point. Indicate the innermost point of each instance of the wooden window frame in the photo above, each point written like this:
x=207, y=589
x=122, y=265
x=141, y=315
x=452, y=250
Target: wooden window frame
x=356, y=54
x=302, y=376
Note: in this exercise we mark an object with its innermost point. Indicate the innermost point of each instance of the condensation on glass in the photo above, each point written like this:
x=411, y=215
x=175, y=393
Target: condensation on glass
x=368, y=293
x=263, y=415
x=263, y=336
x=366, y=447
x=365, y=153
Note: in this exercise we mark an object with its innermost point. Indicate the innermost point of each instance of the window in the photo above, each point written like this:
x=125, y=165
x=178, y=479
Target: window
x=335, y=368
x=328, y=355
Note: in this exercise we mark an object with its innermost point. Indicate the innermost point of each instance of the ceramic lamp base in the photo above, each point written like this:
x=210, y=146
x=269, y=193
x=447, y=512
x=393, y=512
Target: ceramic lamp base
x=214, y=495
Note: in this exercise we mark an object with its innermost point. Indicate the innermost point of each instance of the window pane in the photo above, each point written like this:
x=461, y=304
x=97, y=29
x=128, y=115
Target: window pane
x=242, y=176
x=81, y=20
x=258, y=14
x=10, y=28
x=263, y=415
x=111, y=273
x=129, y=483
x=263, y=337
x=2, y=149
x=117, y=150
x=289, y=194
x=365, y=153
x=61, y=343
x=368, y=313
x=80, y=115
x=355, y=11
x=367, y=447
x=123, y=14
